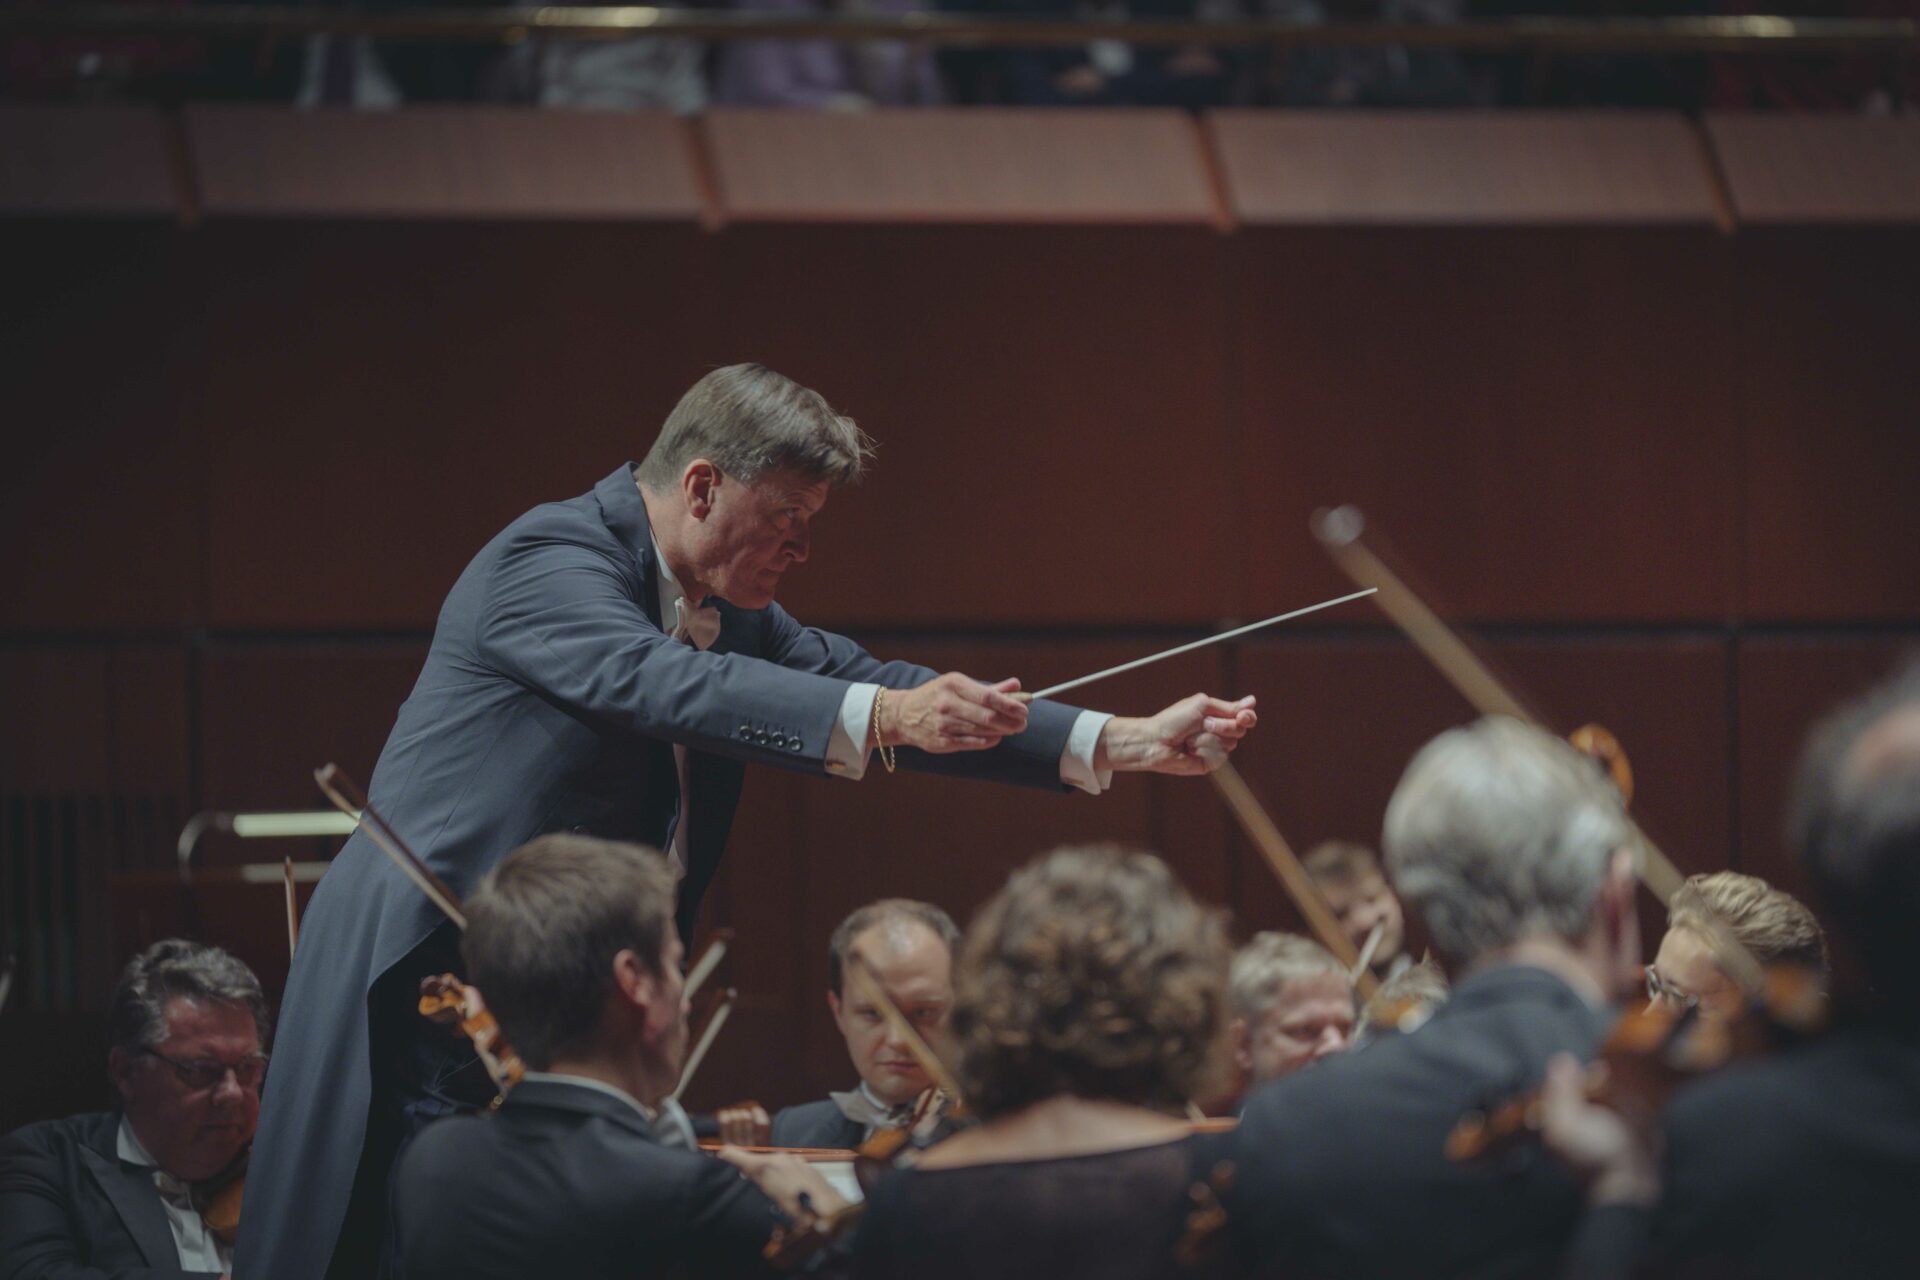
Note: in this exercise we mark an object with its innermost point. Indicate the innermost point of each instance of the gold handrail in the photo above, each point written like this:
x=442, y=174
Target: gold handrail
x=1751, y=34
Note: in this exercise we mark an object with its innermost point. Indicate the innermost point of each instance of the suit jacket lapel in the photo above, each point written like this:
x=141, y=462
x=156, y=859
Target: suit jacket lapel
x=134, y=1197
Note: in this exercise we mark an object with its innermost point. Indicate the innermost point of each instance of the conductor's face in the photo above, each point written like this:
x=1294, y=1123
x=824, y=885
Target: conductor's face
x=745, y=537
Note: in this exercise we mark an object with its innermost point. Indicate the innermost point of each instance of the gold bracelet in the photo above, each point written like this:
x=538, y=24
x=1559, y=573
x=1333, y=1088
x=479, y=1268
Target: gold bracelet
x=886, y=752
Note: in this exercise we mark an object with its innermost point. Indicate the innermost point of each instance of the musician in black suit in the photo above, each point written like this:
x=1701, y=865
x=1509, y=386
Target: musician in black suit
x=1514, y=851
x=907, y=948
x=609, y=665
x=572, y=940
x=113, y=1193
x=1805, y=1162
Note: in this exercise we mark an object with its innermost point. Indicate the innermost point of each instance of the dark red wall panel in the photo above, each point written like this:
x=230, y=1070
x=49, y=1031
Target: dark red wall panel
x=392, y=395
x=1051, y=411
x=1544, y=414
x=1828, y=392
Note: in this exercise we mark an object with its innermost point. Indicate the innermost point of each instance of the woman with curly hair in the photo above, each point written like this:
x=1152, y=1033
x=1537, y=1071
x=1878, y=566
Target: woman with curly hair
x=1089, y=1006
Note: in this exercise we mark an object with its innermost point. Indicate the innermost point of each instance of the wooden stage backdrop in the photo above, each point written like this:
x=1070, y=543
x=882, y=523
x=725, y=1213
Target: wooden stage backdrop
x=1634, y=395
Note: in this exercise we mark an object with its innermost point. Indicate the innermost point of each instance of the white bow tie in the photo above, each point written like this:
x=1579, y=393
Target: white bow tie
x=698, y=625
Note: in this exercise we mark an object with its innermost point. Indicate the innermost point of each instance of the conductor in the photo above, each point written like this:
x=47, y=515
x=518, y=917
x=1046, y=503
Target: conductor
x=609, y=665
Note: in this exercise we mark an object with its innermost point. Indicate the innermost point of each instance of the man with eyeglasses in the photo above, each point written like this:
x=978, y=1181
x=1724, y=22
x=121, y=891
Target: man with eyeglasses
x=1773, y=926
x=121, y=1192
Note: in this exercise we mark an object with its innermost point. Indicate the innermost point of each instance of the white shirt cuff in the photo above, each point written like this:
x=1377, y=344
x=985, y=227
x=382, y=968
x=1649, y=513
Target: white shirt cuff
x=846, y=759
x=1076, y=758
x=846, y=754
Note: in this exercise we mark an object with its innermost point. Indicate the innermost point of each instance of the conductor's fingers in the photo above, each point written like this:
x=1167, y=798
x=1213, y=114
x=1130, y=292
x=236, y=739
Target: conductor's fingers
x=1226, y=709
x=997, y=699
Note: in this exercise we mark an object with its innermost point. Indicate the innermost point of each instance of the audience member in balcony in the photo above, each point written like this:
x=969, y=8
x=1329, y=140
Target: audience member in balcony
x=1371, y=76
x=653, y=73
x=1108, y=73
x=827, y=73
x=123, y=1192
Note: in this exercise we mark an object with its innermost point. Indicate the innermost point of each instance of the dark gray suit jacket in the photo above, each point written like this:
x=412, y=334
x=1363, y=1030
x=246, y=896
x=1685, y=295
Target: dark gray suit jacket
x=1802, y=1163
x=1340, y=1169
x=568, y=1182
x=70, y=1210
x=550, y=701
x=816, y=1124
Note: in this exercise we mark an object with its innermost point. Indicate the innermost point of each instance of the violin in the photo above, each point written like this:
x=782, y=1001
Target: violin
x=218, y=1199
x=1649, y=1050
x=449, y=1002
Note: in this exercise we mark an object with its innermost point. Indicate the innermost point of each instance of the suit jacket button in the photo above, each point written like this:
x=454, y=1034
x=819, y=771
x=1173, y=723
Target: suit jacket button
x=746, y=731
x=780, y=741
x=794, y=744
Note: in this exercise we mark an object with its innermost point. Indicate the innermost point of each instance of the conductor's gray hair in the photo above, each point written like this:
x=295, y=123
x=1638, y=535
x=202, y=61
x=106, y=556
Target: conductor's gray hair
x=1499, y=831
x=750, y=421
x=1262, y=969
x=176, y=969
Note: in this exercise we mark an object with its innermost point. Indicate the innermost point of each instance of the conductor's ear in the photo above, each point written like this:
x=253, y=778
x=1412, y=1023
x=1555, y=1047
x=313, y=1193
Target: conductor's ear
x=697, y=485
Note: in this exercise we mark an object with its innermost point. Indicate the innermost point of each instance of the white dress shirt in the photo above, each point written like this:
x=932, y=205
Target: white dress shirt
x=199, y=1250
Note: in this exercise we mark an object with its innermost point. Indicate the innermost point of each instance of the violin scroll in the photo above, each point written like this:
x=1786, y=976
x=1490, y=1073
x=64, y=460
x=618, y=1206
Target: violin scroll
x=446, y=1000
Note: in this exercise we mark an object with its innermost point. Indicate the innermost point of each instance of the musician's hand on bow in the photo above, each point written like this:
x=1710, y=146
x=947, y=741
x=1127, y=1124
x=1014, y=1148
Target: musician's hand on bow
x=798, y=1188
x=1193, y=736
x=951, y=713
x=744, y=1124
x=1616, y=1156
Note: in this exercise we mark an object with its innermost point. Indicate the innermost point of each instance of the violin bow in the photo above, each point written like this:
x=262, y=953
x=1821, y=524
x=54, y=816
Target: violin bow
x=347, y=797
x=1293, y=875
x=1341, y=532
x=719, y=1019
x=862, y=977
x=293, y=909
x=709, y=961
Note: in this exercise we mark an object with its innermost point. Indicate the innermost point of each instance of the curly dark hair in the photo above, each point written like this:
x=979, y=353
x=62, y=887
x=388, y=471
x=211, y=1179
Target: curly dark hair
x=1091, y=973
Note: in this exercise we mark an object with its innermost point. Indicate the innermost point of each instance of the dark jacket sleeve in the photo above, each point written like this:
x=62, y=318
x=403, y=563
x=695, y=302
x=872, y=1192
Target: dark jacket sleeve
x=728, y=1221
x=561, y=618
x=1611, y=1243
x=1028, y=759
x=41, y=1237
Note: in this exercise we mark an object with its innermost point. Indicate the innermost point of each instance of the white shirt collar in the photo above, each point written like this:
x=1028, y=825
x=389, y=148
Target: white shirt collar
x=129, y=1147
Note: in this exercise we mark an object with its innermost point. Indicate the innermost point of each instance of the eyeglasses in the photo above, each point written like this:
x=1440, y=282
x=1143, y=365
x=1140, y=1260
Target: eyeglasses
x=207, y=1073
x=1662, y=991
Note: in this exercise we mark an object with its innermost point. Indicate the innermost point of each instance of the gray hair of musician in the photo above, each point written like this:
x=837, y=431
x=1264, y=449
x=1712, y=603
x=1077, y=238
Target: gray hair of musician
x=1499, y=831
x=1855, y=818
x=750, y=421
x=1262, y=969
x=885, y=911
x=543, y=930
x=176, y=969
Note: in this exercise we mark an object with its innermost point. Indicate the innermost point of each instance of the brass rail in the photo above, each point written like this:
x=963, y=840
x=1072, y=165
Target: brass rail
x=1723, y=35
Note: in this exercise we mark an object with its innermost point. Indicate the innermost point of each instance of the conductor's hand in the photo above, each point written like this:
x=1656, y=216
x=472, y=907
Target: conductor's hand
x=951, y=713
x=1194, y=735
